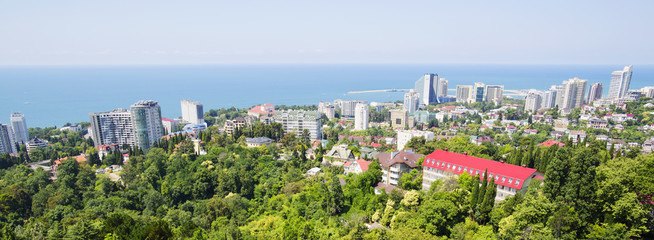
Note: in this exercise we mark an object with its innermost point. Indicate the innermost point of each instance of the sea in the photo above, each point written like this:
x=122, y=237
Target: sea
x=55, y=95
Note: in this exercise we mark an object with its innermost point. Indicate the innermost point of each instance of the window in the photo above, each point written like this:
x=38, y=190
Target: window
x=443, y=164
x=490, y=175
x=465, y=169
x=510, y=180
x=503, y=178
x=398, y=121
x=517, y=182
x=438, y=163
x=497, y=177
x=448, y=165
x=453, y=167
x=477, y=172
x=459, y=168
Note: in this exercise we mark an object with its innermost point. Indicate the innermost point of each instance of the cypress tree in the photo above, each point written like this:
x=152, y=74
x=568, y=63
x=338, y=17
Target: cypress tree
x=475, y=192
x=482, y=189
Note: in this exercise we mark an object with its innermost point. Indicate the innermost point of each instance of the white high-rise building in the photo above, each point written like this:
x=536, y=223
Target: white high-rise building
x=558, y=89
x=594, y=92
x=532, y=102
x=620, y=82
x=361, y=117
x=327, y=109
x=6, y=142
x=113, y=127
x=464, y=93
x=478, y=92
x=427, y=87
x=411, y=101
x=148, y=128
x=298, y=121
x=548, y=99
x=192, y=112
x=348, y=108
x=494, y=93
x=442, y=87
x=573, y=93
x=647, y=92
x=19, y=128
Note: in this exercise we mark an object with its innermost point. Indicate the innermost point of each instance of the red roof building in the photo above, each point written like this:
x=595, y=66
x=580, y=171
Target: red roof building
x=551, y=142
x=357, y=166
x=509, y=178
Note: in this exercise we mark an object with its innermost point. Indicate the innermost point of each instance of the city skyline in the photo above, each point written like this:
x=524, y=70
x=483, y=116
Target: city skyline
x=208, y=32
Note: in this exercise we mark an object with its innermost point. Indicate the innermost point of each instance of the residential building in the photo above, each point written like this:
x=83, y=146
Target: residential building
x=262, y=111
x=561, y=124
x=113, y=127
x=573, y=93
x=577, y=136
x=510, y=179
x=348, y=108
x=231, y=125
x=464, y=93
x=647, y=92
x=427, y=87
x=479, y=140
x=423, y=116
x=146, y=115
x=396, y=164
x=34, y=144
x=442, y=88
x=361, y=117
x=71, y=128
x=6, y=141
x=620, y=81
x=327, y=109
x=192, y=112
x=594, y=92
x=559, y=95
x=411, y=101
x=341, y=152
x=19, y=128
x=357, y=166
x=258, y=141
x=532, y=102
x=404, y=136
x=479, y=92
x=104, y=150
x=400, y=119
x=170, y=125
x=299, y=120
x=548, y=99
x=494, y=93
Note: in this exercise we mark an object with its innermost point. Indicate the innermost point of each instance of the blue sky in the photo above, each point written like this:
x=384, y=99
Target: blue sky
x=280, y=32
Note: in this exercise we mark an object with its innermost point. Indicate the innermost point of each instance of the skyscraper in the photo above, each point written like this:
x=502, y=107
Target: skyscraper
x=573, y=93
x=442, y=87
x=427, y=88
x=549, y=99
x=19, y=128
x=348, y=108
x=494, y=93
x=558, y=89
x=326, y=109
x=594, y=92
x=6, y=143
x=479, y=92
x=463, y=93
x=113, y=127
x=620, y=82
x=148, y=128
x=532, y=102
x=361, y=117
x=411, y=101
x=192, y=112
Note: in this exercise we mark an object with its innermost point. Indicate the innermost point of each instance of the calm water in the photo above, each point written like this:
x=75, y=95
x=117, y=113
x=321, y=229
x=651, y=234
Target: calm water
x=50, y=96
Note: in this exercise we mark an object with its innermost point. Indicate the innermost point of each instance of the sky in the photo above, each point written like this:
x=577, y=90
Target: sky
x=66, y=32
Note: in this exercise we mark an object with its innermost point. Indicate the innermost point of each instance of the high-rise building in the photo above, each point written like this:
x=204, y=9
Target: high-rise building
x=348, y=108
x=479, y=92
x=442, y=87
x=594, y=92
x=327, y=109
x=298, y=121
x=647, y=91
x=532, y=102
x=146, y=115
x=411, y=101
x=494, y=93
x=548, y=99
x=6, y=143
x=427, y=87
x=361, y=117
x=113, y=127
x=573, y=93
x=19, y=128
x=463, y=93
x=558, y=89
x=192, y=112
x=620, y=82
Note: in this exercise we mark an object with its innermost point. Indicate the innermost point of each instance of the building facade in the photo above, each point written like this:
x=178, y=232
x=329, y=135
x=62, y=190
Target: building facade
x=494, y=93
x=400, y=118
x=146, y=115
x=113, y=127
x=442, y=87
x=411, y=101
x=6, y=141
x=348, y=108
x=298, y=120
x=620, y=81
x=361, y=117
x=427, y=87
x=548, y=100
x=327, y=109
x=594, y=92
x=479, y=92
x=510, y=179
x=532, y=102
x=404, y=136
x=573, y=93
x=463, y=93
x=19, y=128
x=396, y=164
x=192, y=112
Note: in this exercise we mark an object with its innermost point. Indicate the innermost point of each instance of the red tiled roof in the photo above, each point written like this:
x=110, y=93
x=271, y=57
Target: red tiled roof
x=408, y=158
x=166, y=119
x=475, y=163
x=551, y=142
x=258, y=109
x=363, y=164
